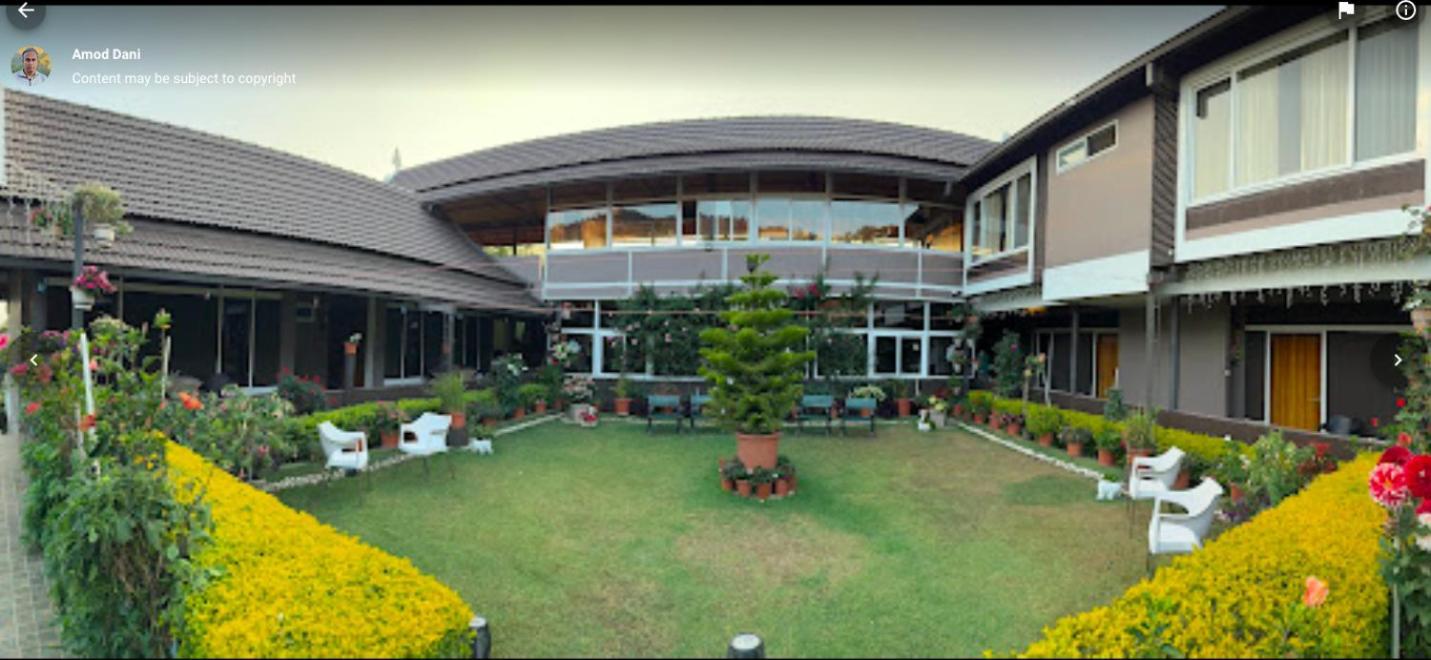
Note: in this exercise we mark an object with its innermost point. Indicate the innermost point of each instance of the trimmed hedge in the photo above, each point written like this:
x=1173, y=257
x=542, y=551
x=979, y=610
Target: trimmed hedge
x=290, y=586
x=302, y=432
x=1227, y=599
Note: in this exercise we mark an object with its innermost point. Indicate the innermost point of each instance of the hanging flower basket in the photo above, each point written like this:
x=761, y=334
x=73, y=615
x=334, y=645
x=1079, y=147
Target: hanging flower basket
x=81, y=298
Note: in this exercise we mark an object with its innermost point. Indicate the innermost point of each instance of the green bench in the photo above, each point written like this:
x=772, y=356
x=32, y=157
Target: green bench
x=853, y=406
x=698, y=404
x=815, y=407
x=663, y=408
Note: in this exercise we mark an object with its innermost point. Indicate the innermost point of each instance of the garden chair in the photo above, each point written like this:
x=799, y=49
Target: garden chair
x=815, y=407
x=1150, y=476
x=425, y=436
x=1170, y=533
x=663, y=407
x=853, y=406
x=346, y=450
x=698, y=404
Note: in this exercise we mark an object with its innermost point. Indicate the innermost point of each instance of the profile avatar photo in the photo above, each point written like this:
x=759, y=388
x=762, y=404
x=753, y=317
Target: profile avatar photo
x=31, y=66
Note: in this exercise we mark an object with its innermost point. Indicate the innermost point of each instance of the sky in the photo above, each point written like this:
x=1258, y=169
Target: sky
x=435, y=82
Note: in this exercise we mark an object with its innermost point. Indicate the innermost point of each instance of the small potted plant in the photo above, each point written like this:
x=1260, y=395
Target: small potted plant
x=623, y=396
x=997, y=420
x=980, y=406
x=785, y=480
x=900, y=390
x=350, y=347
x=1108, y=441
x=488, y=410
x=387, y=420
x=762, y=482
x=1044, y=422
x=741, y=475
x=102, y=209
x=938, y=411
x=1014, y=424
x=730, y=470
x=1140, y=433
x=1074, y=438
x=90, y=281
x=1230, y=468
x=529, y=394
x=870, y=391
x=451, y=395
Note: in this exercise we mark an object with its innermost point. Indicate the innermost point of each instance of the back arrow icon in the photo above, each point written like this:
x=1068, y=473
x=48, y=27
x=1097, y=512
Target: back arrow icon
x=32, y=360
x=24, y=9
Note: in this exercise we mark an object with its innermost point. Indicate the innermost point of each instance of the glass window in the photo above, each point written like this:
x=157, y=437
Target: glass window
x=773, y=216
x=1385, y=88
x=807, y=219
x=722, y=219
x=392, y=342
x=576, y=229
x=1023, y=210
x=1072, y=154
x=941, y=317
x=991, y=239
x=1211, y=129
x=265, y=342
x=865, y=222
x=432, y=338
x=1102, y=140
x=645, y=224
x=885, y=355
x=237, y=320
x=933, y=227
x=909, y=357
x=412, y=345
x=940, y=354
x=978, y=228
x=906, y=315
x=1292, y=112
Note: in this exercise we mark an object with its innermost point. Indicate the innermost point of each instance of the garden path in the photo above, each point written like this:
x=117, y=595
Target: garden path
x=28, y=626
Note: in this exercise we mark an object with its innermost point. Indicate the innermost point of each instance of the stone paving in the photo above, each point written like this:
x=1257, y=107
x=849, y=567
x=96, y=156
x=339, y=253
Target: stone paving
x=28, y=628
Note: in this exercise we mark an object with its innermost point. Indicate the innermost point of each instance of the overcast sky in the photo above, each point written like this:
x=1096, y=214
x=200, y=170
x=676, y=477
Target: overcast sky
x=441, y=81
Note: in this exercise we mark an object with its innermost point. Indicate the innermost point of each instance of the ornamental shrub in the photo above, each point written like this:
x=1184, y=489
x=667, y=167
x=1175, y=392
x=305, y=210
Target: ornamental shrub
x=242, y=434
x=287, y=585
x=753, y=365
x=1234, y=597
x=1008, y=365
x=305, y=394
x=1044, y=419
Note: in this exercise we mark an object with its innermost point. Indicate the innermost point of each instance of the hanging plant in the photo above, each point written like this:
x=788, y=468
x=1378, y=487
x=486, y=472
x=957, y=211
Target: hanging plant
x=93, y=279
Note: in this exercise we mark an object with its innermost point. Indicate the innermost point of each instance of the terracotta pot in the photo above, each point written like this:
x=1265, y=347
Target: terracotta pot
x=1075, y=449
x=763, y=491
x=459, y=420
x=519, y=414
x=1235, y=492
x=1014, y=429
x=866, y=412
x=1183, y=478
x=489, y=422
x=727, y=485
x=782, y=486
x=757, y=450
x=1134, y=453
x=1421, y=318
x=978, y=419
x=349, y=348
x=903, y=405
x=1046, y=439
x=623, y=407
x=1105, y=457
x=996, y=423
x=390, y=439
x=720, y=466
x=539, y=408
x=742, y=486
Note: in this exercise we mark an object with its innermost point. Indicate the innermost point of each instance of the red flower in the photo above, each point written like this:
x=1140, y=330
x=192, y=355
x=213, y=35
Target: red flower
x=32, y=408
x=1388, y=485
x=1418, y=475
x=1375, y=422
x=1424, y=507
x=1401, y=402
x=1396, y=454
x=1403, y=439
x=1321, y=448
x=87, y=422
x=190, y=401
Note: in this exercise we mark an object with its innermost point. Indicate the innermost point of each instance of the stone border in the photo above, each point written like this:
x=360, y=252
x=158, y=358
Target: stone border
x=1076, y=469
x=331, y=475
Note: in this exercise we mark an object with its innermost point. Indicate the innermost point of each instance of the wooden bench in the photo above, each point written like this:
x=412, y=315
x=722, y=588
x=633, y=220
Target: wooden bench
x=853, y=406
x=664, y=408
x=815, y=407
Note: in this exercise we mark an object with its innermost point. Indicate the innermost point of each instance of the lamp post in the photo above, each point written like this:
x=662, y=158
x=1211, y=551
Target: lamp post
x=77, y=314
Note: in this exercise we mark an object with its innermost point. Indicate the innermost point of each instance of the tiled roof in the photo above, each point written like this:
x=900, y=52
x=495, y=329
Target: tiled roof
x=938, y=153
x=213, y=205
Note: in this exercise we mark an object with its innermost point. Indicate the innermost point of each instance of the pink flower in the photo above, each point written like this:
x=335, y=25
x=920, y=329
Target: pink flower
x=1316, y=592
x=1388, y=485
x=20, y=369
x=32, y=407
x=4, y=341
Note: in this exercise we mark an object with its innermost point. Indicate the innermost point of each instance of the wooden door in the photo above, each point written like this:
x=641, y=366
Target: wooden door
x=1106, y=362
x=1297, y=381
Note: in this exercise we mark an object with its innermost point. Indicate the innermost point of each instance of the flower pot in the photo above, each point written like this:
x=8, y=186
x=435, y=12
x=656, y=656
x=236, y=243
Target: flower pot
x=390, y=439
x=1134, y=453
x=623, y=407
x=1421, y=318
x=539, y=408
x=782, y=486
x=903, y=406
x=1183, y=478
x=742, y=487
x=959, y=410
x=978, y=419
x=996, y=423
x=1075, y=449
x=757, y=450
x=459, y=420
x=519, y=413
x=1014, y=429
x=350, y=348
x=727, y=485
x=939, y=417
x=81, y=298
x=104, y=235
x=1235, y=492
x=1046, y=439
x=489, y=422
x=1105, y=457
x=763, y=491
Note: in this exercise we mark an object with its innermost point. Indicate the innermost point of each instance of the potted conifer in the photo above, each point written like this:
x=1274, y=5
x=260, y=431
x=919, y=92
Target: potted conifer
x=754, y=366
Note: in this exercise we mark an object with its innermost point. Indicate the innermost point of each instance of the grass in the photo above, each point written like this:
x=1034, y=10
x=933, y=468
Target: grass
x=610, y=542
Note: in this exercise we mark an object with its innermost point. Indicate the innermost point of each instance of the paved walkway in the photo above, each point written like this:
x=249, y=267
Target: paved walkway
x=28, y=628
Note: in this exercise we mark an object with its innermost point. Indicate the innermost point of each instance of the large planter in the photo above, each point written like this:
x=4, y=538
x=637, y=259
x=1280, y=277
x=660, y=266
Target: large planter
x=1075, y=449
x=459, y=420
x=390, y=439
x=623, y=407
x=539, y=408
x=1105, y=457
x=939, y=417
x=104, y=235
x=1046, y=439
x=1183, y=478
x=758, y=451
x=1421, y=318
x=903, y=406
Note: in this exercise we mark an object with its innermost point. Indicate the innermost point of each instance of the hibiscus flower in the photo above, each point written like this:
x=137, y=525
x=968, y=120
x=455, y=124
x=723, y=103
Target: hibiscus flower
x=1418, y=475
x=32, y=407
x=1388, y=485
x=1396, y=454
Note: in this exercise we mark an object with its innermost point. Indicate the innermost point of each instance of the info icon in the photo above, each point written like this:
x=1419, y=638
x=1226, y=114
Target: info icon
x=25, y=16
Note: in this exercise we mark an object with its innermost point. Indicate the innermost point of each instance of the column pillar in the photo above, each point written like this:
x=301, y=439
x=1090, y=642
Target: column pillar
x=1073, y=354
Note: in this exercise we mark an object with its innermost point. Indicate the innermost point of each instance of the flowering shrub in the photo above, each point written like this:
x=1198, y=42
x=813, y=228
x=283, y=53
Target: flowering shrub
x=1401, y=482
x=306, y=394
x=290, y=586
x=240, y=433
x=92, y=278
x=1238, y=596
x=577, y=388
x=868, y=392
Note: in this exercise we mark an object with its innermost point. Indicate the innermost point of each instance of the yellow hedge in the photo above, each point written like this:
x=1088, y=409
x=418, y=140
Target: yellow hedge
x=291, y=586
x=1226, y=595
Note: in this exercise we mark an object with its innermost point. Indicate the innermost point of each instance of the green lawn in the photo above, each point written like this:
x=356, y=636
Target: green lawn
x=610, y=542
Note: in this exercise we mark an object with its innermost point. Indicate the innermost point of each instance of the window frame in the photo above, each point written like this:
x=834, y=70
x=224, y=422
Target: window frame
x=1060, y=168
x=1010, y=178
x=1229, y=68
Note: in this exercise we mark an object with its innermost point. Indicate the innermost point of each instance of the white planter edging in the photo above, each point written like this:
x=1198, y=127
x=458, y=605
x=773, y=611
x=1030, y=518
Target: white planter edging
x=1076, y=469
x=329, y=475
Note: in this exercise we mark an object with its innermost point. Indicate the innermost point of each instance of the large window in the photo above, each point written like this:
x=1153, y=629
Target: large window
x=1306, y=109
x=1003, y=214
x=864, y=222
x=644, y=224
x=575, y=229
x=413, y=342
x=722, y=219
x=1086, y=147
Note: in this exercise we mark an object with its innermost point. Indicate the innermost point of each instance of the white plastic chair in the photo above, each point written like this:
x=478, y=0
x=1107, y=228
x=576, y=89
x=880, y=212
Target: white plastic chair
x=424, y=436
x=346, y=450
x=1151, y=476
x=1170, y=533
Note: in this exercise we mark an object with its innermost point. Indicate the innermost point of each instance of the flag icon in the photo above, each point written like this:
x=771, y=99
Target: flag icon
x=1345, y=9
